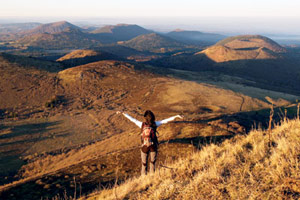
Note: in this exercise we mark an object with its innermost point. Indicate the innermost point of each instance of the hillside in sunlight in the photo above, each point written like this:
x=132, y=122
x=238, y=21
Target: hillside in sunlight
x=244, y=167
x=64, y=85
x=68, y=38
x=63, y=122
x=251, y=41
x=250, y=57
x=84, y=56
x=243, y=47
x=57, y=35
x=55, y=27
x=153, y=42
x=225, y=54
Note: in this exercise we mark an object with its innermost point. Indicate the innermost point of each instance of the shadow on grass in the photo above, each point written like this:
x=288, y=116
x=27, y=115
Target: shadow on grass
x=63, y=185
x=251, y=119
x=32, y=140
x=283, y=76
x=18, y=140
x=199, y=141
x=26, y=129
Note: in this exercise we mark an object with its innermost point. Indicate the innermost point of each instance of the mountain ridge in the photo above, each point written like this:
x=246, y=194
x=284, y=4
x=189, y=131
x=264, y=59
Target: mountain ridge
x=68, y=38
x=84, y=56
x=120, y=32
x=219, y=53
x=198, y=37
x=251, y=41
x=51, y=28
x=153, y=42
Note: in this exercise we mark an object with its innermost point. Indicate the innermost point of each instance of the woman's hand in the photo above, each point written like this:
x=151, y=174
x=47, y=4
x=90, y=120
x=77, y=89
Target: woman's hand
x=180, y=116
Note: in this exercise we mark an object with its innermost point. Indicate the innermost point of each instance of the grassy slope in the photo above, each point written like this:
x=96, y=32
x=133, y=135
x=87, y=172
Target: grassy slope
x=68, y=39
x=192, y=37
x=51, y=28
x=19, y=81
x=253, y=40
x=241, y=168
x=225, y=54
x=153, y=43
x=95, y=117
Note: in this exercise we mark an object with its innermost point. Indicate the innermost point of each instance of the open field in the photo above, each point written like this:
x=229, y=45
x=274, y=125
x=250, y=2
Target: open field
x=240, y=168
x=83, y=137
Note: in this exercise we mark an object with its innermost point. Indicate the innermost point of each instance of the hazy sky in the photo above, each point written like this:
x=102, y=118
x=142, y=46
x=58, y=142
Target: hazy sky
x=263, y=15
x=140, y=8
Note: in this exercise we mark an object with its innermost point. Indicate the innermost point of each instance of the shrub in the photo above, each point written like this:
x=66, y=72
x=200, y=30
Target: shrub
x=54, y=101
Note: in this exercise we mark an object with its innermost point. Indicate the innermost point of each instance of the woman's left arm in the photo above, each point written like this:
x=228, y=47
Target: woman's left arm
x=158, y=123
x=137, y=122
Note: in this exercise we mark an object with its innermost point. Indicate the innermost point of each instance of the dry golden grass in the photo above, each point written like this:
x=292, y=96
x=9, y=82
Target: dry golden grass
x=244, y=167
x=254, y=43
x=225, y=53
x=78, y=54
x=251, y=41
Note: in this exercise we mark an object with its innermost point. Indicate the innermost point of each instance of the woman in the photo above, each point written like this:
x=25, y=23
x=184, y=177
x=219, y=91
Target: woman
x=149, y=138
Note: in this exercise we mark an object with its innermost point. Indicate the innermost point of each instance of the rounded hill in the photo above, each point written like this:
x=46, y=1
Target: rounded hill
x=243, y=47
x=25, y=81
x=225, y=54
x=162, y=93
x=84, y=56
x=195, y=37
x=68, y=39
x=55, y=27
x=128, y=28
x=251, y=41
x=120, y=32
x=79, y=54
x=153, y=42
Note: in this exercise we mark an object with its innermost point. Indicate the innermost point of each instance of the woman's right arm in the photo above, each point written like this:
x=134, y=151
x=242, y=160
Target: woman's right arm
x=137, y=122
x=158, y=123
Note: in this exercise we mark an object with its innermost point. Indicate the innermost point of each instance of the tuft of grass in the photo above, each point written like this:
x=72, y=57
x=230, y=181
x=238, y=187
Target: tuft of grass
x=12, y=114
x=270, y=123
x=54, y=101
x=298, y=106
x=245, y=167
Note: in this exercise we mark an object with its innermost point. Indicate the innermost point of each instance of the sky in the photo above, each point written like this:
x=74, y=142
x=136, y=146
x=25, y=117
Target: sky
x=213, y=15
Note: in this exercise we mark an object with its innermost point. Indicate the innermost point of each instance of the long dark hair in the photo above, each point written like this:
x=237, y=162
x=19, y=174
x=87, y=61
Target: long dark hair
x=149, y=118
